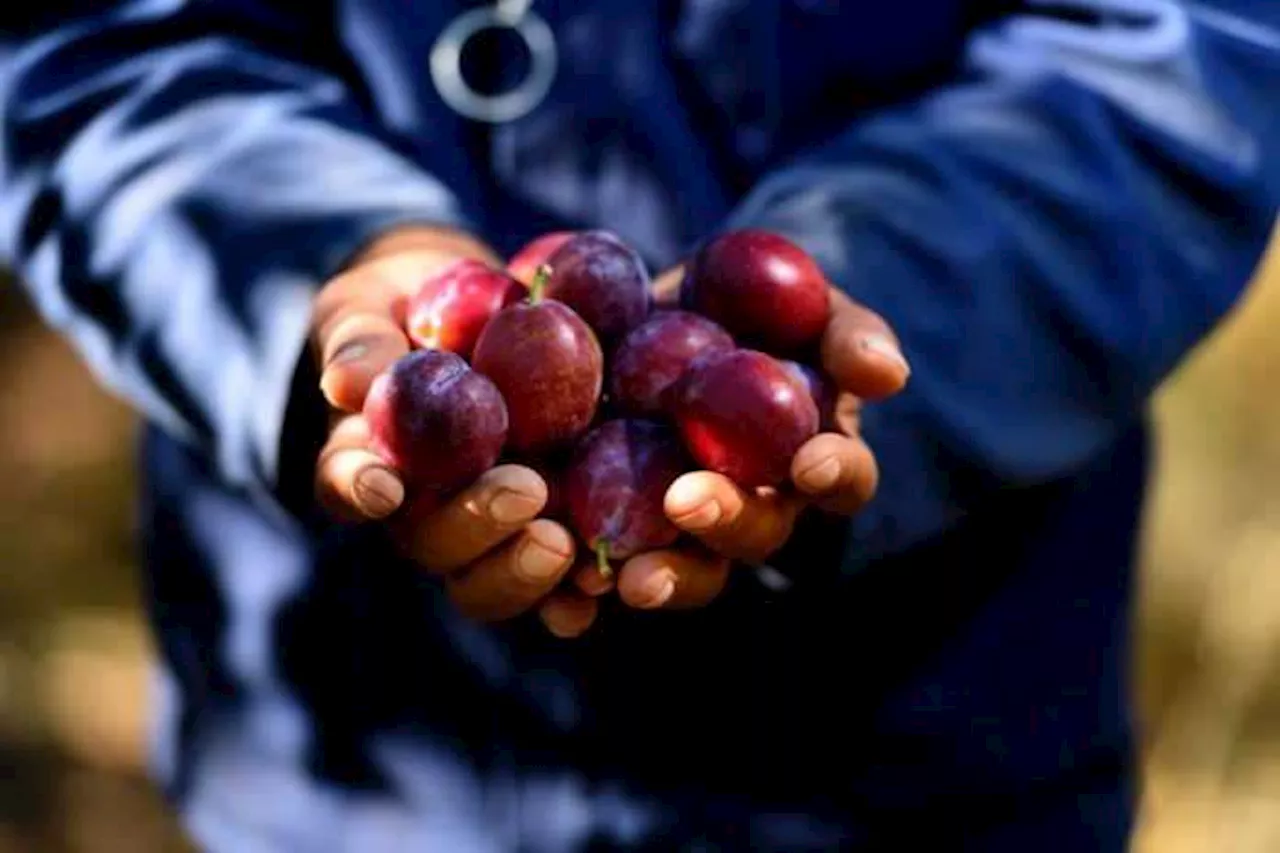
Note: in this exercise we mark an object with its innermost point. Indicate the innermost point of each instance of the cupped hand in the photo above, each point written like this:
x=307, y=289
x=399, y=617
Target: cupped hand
x=725, y=523
x=496, y=558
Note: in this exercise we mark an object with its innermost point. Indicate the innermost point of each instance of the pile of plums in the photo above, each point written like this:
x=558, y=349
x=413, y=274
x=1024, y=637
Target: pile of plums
x=565, y=361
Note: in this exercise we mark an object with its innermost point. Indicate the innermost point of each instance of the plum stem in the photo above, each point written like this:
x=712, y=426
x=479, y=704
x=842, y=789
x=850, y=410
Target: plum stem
x=539, y=284
x=602, y=559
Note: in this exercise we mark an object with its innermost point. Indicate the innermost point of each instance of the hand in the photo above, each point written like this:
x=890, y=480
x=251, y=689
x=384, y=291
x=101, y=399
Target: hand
x=833, y=471
x=496, y=558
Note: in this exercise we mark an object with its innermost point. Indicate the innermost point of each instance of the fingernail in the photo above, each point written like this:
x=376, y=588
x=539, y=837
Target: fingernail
x=537, y=562
x=684, y=496
x=702, y=518
x=567, y=623
x=658, y=590
x=593, y=583
x=823, y=475
x=571, y=630
x=560, y=628
x=350, y=351
x=508, y=507
x=378, y=492
x=690, y=508
x=885, y=347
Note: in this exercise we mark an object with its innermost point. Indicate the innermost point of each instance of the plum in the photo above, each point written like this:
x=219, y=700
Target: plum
x=524, y=264
x=656, y=354
x=435, y=420
x=603, y=280
x=762, y=288
x=549, y=367
x=744, y=414
x=615, y=486
x=452, y=307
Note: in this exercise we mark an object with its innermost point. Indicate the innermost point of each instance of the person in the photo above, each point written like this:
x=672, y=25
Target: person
x=1049, y=204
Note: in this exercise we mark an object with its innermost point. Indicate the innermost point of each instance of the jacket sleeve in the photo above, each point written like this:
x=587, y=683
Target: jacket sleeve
x=1049, y=235
x=176, y=178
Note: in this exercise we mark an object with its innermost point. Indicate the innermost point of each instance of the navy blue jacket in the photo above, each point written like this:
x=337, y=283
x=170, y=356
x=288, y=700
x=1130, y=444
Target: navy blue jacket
x=1051, y=202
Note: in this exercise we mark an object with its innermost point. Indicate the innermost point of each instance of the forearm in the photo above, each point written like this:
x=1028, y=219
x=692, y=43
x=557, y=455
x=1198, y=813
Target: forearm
x=174, y=193
x=1049, y=238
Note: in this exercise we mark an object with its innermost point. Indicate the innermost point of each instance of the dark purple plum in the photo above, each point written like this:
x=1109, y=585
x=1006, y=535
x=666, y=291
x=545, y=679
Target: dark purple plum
x=656, y=354
x=744, y=414
x=435, y=420
x=615, y=486
x=549, y=367
x=603, y=280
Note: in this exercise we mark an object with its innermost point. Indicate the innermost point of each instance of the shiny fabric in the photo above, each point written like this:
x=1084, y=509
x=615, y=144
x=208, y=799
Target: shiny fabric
x=1052, y=203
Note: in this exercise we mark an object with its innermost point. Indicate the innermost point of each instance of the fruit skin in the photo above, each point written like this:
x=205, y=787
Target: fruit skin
x=549, y=367
x=821, y=390
x=523, y=265
x=604, y=281
x=655, y=354
x=762, y=288
x=616, y=483
x=435, y=420
x=744, y=414
x=452, y=307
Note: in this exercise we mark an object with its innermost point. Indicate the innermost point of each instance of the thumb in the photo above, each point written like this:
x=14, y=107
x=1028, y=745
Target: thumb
x=353, y=351
x=358, y=318
x=356, y=334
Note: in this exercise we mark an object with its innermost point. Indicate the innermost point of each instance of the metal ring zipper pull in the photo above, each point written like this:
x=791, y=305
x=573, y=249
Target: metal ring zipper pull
x=519, y=101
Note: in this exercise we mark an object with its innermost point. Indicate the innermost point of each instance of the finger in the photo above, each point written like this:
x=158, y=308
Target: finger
x=443, y=539
x=507, y=582
x=358, y=320
x=837, y=471
x=353, y=349
x=735, y=523
x=568, y=613
x=675, y=578
x=351, y=482
x=589, y=580
x=860, y=352
x=666, y=287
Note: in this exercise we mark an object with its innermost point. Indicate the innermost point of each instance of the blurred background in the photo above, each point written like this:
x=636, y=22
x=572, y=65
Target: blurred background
x=73, y=649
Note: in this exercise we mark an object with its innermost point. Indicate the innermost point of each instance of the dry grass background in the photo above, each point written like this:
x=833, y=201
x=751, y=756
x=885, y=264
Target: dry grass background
x=73, y=651
x=1209, y=647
